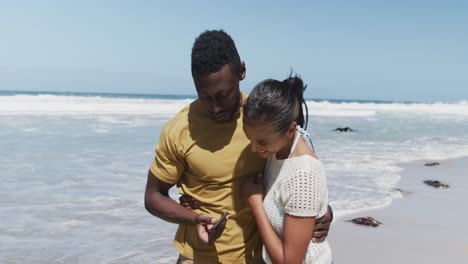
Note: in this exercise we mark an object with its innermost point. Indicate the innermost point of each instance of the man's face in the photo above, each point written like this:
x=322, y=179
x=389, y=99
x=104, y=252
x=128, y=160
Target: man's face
x=219, y=93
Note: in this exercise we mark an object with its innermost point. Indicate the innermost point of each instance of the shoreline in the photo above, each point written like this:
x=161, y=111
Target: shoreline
x=426, y=225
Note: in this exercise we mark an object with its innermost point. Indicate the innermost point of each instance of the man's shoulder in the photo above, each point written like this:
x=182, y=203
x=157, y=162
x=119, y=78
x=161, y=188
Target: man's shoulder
x=244, y=97
x=177, y=125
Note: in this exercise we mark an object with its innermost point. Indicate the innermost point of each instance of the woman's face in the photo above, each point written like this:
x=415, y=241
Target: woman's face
x=265, y=141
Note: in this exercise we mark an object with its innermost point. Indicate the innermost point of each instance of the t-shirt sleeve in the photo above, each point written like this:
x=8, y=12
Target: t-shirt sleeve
x=168, y=164
x=304, y=192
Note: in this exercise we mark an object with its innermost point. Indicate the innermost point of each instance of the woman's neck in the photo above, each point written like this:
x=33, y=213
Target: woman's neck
x=286, y=150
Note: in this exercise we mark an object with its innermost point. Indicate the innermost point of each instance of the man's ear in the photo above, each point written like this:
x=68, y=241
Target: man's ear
x=242, y=70
x=292, y=129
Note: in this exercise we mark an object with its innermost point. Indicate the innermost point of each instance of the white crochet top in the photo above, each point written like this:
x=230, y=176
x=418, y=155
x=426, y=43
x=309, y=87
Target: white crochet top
x=296, y=186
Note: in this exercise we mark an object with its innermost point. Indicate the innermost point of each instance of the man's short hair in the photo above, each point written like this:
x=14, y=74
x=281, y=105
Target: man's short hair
x=212, y=50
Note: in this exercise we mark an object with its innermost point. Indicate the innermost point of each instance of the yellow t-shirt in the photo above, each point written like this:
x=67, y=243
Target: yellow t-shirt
x=209, y=161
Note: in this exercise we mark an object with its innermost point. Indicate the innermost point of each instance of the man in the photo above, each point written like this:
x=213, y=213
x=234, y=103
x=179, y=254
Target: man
x=204, y=151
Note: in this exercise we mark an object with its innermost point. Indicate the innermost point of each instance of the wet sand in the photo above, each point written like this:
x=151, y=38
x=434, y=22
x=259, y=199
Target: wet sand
x=427, y=225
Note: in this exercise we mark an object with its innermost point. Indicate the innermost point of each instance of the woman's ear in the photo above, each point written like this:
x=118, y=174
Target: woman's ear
x=292, y=130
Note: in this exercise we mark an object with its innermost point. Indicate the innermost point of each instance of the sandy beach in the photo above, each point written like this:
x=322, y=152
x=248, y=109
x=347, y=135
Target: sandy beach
x=427, y=225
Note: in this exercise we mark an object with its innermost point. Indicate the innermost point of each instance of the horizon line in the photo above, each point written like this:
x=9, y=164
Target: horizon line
x=194, y=96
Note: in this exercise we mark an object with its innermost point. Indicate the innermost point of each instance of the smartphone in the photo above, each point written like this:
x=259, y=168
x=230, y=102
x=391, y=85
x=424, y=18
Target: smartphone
x=215, y=231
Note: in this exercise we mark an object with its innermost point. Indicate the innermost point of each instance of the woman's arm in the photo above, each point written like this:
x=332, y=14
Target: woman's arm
x=297, y=230
x=273, y=244
x=297, y=235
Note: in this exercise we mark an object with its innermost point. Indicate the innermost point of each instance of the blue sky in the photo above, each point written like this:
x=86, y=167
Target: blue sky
x=384, y=50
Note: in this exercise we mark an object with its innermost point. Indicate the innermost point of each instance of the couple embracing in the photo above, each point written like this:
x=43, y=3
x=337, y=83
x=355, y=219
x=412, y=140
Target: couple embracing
x=246, y=157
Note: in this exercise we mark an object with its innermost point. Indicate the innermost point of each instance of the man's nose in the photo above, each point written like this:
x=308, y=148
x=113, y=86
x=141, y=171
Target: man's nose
x=215, y=107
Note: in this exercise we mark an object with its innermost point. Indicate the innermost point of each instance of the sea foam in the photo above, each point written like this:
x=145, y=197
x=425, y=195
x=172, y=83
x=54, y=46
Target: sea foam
x=46, y=104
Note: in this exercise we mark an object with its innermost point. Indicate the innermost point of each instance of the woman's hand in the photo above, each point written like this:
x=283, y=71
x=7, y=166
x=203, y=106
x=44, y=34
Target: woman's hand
x=252, y=190
x=189, y=202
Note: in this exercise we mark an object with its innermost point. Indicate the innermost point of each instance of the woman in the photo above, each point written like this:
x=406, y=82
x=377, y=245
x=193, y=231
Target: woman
x=293, y=191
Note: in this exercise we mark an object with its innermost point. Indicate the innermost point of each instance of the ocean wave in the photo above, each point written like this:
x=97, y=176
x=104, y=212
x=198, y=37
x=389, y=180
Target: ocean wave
x=47, y=104
x=78, y=105
x=369, y=109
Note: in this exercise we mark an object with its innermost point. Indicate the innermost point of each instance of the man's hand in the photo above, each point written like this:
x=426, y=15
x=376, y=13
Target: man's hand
x=203, y=224
x=322, y=226
x=216, y=230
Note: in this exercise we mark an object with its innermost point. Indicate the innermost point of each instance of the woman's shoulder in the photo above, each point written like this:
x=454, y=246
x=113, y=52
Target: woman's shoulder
x=305, y=159
x=305, y=164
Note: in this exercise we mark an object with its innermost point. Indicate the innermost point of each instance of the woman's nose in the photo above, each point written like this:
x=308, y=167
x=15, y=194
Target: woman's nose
x=254, y=146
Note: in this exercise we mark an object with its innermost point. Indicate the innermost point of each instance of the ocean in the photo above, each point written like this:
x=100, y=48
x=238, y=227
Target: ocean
x=73, y=167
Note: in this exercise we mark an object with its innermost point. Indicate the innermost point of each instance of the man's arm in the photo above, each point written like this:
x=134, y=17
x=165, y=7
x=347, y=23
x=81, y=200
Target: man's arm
x=159, y=204
x=322, y=226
